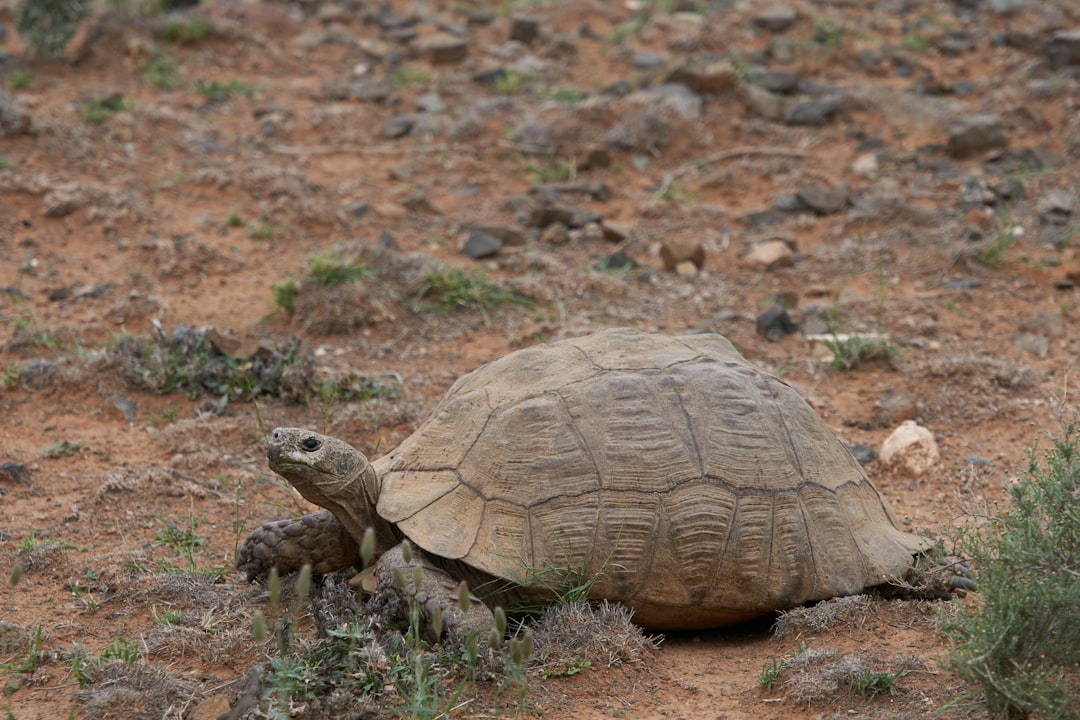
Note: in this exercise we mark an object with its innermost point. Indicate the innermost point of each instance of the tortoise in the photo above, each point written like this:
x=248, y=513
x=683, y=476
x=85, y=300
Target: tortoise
x=665, y=473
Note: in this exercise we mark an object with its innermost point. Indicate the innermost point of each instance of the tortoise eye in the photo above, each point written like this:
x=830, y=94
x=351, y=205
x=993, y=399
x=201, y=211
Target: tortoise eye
x=310, y=444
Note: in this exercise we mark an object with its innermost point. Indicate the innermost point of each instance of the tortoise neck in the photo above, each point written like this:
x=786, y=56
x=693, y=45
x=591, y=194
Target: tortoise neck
x=353, y=504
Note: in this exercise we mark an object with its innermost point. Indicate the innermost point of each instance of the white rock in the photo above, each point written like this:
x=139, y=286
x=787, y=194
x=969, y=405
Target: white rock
x=910, y=449
x=770, y=255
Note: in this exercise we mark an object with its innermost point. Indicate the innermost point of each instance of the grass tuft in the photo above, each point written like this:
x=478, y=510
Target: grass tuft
x=1020, y=644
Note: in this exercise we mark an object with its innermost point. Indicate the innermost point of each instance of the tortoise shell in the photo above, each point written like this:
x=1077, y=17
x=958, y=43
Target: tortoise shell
x=673, y=474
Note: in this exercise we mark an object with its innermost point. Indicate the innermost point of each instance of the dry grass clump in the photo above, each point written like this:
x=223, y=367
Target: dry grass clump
x=119, y=690
x=822, y=676
x=856, y=613
x=816, y=619
x=575, y=635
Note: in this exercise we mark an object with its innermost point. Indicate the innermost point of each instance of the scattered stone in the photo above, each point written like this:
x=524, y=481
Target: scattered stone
x=648, y=60
x=686, y=270
x=430, y=103
x=524, y=28
x=682, y=30
x=360, y=208
x=480, y=244
x=441, y=48
x=817, y=111
x=615, y=231
x=480, y=16
x=596, y=158
x=702, y=75
x=764, y=218
x=671, y=96
x=420, y=204
x=648, y=131
x=775, y=323
x=975, y=190
x=894, y=407
x=397, y=127
x=910, y=450
x=976, y=134
x=13, y=119
x=782, y=82
x=1044, y=323
x=1064, y=48
x=1056, y=207
x=790, y=204
x=1032, y=343
x=761, y=102
x=674, y=250
x=775, y=18
x=555, y=234
x=978, y=460
x=770, y=255
x=863, y=453
x=825, y=201
x=783, y=298
x=14, y=472
x=618, y=260
x=214, y=707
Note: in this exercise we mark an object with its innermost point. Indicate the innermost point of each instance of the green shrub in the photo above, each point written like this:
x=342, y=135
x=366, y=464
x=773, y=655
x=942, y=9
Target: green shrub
x=48, y=25
x=1021, y=642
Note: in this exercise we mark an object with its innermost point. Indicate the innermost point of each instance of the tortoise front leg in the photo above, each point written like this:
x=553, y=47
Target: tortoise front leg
x=438, y=589
x=317, y=539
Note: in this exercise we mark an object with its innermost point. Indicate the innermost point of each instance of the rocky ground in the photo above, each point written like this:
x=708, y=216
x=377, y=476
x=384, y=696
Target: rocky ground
x=244, y=214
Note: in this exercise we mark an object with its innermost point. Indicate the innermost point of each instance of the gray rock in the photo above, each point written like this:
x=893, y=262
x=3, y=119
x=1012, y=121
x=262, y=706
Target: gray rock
x=706, y=76
x=13, y=119
x=863, y=453
x=441, y=48
x=647, y=131
x=524, y=28
x=480, y=16
x=648, y=60
x=1056, y=207
x=789, y=204
x=784, y=82
x=964, y=283
x=776, y=18
x=1064, y=48
x=775, y=323
x=818, y=111
x=976, y=191
x=555, y=234
x=397, y=127
x=1007, y=7
x=824, y=201
x=360, y=208
x=1032, y=343
x=480, y=244
x=675, y=97
x=1044, y=323
x=761, y=102
x=430, y=103
x=976, y=134
x=764, y=218
x=978, y=460
x=618, y=260
x=894, y=407
x=420, y=204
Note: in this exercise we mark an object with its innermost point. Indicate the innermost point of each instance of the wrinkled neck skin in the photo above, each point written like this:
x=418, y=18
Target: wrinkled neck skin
x=351, y=497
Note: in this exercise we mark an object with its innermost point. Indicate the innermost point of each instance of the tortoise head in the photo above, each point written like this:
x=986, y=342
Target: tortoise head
x=328, y=472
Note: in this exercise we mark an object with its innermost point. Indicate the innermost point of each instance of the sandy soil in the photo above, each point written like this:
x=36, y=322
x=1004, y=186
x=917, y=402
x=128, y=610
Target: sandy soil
x=118, y=232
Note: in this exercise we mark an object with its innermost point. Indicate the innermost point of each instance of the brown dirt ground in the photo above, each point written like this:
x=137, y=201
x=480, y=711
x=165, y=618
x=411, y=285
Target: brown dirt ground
x=154, y=184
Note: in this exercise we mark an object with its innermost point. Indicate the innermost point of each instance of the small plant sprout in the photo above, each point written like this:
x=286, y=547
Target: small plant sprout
x=367, y=546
